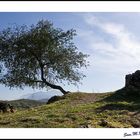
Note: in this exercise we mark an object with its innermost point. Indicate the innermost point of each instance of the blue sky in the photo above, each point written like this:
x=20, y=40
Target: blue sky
x=111, y=39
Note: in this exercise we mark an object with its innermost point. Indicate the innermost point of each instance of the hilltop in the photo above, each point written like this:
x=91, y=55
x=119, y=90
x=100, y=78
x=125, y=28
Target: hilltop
x=80, y=110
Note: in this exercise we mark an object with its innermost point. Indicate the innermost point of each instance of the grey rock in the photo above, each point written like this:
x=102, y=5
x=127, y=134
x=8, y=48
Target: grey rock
x=132, y=81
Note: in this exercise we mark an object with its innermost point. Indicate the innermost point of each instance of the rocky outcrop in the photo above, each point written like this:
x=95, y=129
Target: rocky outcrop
x=132, y=82
x=5, y=106
x=55, y=98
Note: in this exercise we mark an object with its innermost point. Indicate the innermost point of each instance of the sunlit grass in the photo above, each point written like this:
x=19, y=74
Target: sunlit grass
x=77, y=111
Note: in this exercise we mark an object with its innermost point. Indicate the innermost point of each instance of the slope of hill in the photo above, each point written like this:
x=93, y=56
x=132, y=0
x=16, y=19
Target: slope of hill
x=79, y=110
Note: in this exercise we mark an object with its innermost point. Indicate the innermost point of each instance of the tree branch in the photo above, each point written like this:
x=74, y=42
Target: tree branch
x=36, y=81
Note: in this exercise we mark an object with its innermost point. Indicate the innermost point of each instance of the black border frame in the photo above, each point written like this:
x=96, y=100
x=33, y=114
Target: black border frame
x=71, y=0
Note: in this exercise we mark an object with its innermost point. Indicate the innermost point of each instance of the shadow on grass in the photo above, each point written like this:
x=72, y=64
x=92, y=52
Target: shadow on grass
x=124, y=95
x=119, y=106
x=122, y=100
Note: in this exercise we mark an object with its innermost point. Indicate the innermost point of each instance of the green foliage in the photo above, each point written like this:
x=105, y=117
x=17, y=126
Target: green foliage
x=39, y=56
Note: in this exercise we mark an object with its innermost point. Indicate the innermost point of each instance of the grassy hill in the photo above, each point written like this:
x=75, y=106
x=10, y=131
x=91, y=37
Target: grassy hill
x=80, y=110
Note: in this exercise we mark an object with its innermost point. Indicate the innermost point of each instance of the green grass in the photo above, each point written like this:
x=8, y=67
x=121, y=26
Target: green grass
x=79, y=110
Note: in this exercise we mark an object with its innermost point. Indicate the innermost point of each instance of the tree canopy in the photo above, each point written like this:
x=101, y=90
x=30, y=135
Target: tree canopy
x=39, y=56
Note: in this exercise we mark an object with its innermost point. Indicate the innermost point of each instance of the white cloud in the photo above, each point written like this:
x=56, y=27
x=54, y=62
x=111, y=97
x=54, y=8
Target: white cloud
x=119, y=53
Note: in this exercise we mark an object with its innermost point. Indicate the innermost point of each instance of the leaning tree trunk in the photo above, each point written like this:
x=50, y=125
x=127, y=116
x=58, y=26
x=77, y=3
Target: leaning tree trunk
x=49, y=84
x=55, y=87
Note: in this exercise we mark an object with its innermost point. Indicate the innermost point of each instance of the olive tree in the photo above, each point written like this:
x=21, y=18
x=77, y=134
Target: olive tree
x=39, y=56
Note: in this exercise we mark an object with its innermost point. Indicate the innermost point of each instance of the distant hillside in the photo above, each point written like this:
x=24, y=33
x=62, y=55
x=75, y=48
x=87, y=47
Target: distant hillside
x=25, y=103
x=80, y=110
